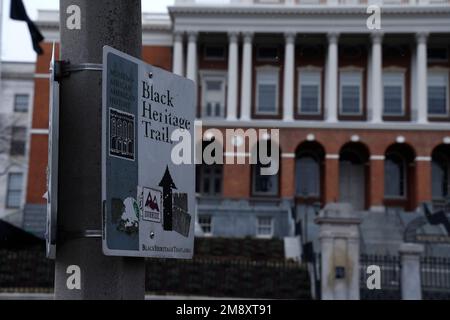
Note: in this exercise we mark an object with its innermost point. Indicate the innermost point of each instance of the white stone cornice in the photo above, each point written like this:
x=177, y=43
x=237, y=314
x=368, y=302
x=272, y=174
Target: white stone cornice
x=304, y=10
x=351, y=125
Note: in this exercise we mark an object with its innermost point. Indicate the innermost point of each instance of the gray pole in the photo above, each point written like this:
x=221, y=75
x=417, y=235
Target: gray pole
x=117, y=23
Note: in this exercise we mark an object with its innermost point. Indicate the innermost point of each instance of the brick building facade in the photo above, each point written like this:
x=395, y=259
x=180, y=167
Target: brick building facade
x=363, y=114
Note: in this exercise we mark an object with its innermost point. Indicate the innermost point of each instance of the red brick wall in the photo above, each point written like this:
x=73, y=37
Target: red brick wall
x=159, y=56
x=37, y=168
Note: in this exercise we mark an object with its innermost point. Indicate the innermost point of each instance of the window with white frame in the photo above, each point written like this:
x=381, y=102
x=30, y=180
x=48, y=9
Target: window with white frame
x=14, y=190
x=309, y=91
x=307, y=175
x=18, y=141
x=350, y=92
x=264, y=227
x=205, y=222
x=213, y=95
x=393, y=89
x=264, y=185
x=267, y=90
x=438, y=93
x=21, y=102
x=395, y=176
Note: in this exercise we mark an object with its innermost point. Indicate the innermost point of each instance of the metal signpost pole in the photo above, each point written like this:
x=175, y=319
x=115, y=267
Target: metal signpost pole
x=116, y=23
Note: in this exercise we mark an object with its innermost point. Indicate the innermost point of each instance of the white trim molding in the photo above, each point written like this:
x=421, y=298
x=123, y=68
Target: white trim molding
x=39, y=131
x=377, y=158
x=423, y=158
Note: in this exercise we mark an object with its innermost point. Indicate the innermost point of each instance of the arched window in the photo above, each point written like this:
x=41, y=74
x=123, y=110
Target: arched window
x=309, y=157
x=308, y=176
x=440, y=171
x=399, y=175
x=395, y=176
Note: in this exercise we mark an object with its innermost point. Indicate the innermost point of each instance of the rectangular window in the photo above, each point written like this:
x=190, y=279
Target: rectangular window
x=265, y=227
x=350, y=93
x=213, y=96
x=14, y=191
x=309, y=92
x=264, y=185
x=209, y=179
x=205, y=222
x=267, y=91
x=393, y=88
x=214, y=52
x=21, y=102
x=438, y=93
x=18, y=141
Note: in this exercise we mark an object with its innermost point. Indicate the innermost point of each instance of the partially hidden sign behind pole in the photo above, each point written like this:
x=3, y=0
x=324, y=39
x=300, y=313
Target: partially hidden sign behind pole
x=52, y=169
x=148, y=200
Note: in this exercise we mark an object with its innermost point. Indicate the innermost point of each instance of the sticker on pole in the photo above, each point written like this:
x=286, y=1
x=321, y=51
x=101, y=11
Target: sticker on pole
x=148, y=196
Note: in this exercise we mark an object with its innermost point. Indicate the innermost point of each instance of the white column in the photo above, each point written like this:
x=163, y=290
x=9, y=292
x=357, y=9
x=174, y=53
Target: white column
x=377, y=77
x=233, y=61
x=178, y=53
x=413, y=90
x=422, y=85
x=410, y=276
x=331, y=97
x=246, y=89
x=288, y=83
x=191, y=72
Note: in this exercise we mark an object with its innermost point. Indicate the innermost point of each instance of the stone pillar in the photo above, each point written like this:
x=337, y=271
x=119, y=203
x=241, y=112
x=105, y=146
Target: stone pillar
x=376, y=183
x=232, y=76
x=331, y=96
x=191, y=72
x=246, y=90
x=376, y=81
x=422, y=85
x=339, y=238
x=288, y=83
x=411, y=286
x=178, y=55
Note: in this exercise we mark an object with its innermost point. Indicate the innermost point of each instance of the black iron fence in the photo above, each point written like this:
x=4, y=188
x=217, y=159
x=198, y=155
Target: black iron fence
x=434, y=273
x=29, y=271
x=435, y=277
x=390, y=277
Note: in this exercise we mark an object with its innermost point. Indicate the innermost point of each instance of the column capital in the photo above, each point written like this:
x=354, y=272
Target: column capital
x=178, y=36
x=233, y=36
x=192, y=36
x=248, y=36
x=421, y=37
x=333, y=37
x=377, y=37
x=290, y=36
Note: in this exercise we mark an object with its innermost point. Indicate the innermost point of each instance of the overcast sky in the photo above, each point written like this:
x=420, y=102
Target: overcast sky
x=16, y=42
